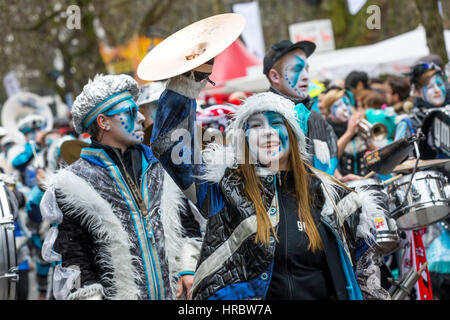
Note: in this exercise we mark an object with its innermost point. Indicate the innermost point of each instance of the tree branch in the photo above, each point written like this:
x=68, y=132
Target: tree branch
x=38, y=24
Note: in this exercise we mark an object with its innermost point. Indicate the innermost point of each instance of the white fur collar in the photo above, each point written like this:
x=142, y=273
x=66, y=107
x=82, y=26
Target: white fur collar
x=98, y=217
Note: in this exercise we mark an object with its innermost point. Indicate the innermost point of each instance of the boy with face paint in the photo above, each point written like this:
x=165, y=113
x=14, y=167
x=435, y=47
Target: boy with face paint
x=118, y=208
x=286, y=67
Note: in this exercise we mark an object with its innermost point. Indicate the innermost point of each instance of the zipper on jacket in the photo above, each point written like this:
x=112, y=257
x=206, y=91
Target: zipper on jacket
x=285, y=248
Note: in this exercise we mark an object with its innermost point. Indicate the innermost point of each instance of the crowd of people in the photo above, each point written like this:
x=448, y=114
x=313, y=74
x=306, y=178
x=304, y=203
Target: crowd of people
x=151, y=193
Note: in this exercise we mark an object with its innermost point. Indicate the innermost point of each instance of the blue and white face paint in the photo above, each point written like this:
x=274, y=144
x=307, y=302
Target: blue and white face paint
x=340, y=111
x=268, y=139
x=434, y=93
x=296, y=76
x=127, y=123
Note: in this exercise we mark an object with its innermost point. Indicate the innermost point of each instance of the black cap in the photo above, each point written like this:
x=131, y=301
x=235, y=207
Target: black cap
x=281, y=48
x=419, y=69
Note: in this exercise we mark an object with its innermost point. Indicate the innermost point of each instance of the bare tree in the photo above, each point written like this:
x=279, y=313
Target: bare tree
x=432, y=21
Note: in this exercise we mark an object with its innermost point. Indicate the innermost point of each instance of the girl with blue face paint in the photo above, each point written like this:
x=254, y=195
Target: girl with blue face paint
x=268, y=140
x=434, y=92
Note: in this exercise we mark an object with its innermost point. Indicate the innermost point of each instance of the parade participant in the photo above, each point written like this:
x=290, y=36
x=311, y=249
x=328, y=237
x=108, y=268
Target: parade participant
x=397, y=93
x=118, y=233
x=344, y=120
x=147, y=103
x=30, y=158
x=356, y=83
x=438, y=258
x=266, y=208
x=430, y=91
x=373, y=99
x=34, y=223
x=286, y=68
x=8, y=142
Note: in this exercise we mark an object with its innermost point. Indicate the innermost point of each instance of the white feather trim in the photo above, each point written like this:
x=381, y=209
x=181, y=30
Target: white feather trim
x=97, y=216
x=181, y=252
x=321, y=151
x=370, y=209
x=90, y=292
x=362, y=198
x=217, y=159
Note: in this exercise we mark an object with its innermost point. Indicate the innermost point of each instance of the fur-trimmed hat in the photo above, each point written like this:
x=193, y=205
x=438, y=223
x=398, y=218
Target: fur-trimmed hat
x=99, y=91
x=264, y=102
x=218, y=158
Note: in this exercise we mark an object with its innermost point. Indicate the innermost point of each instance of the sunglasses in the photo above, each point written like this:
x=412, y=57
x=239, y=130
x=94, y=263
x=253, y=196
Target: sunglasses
x=132, y=108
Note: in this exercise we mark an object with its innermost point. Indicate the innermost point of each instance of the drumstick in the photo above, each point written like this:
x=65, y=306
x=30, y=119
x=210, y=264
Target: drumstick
x=422, y=267
x=369, y=175
x=393, y=179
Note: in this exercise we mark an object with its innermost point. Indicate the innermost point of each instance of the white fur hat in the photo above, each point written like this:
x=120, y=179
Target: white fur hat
x=217, y=158
x=263, y=102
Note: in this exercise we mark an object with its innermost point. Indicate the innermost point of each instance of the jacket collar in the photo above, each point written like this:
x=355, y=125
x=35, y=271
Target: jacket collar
x=308, y=102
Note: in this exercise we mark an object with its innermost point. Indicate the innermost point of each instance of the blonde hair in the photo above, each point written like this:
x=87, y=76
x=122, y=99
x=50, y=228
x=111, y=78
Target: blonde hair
x=331, y=97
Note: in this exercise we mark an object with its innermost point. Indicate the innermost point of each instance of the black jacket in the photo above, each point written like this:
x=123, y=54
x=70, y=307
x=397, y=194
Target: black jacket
x=299, y=274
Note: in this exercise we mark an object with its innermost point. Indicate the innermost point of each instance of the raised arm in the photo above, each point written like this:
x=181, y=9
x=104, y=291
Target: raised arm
x=175, y=141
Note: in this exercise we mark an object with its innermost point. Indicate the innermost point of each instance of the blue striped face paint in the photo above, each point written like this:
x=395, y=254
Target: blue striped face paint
x=434, y=93
x=296, y=77
x=268, y=139
x=127, y=123
x=340, y=111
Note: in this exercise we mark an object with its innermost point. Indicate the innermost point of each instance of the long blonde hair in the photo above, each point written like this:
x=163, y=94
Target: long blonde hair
x=253, y=189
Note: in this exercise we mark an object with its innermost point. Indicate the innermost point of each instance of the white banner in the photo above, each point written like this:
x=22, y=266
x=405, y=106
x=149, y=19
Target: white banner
x=318, y=31
x=252, y=34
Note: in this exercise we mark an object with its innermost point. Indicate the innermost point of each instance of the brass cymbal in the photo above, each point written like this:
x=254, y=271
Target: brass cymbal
x=408, y=165
x=191, y=47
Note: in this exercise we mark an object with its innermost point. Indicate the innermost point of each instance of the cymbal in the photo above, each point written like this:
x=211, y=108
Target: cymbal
x=408, y=165
x=191, y=47
x=71, y=149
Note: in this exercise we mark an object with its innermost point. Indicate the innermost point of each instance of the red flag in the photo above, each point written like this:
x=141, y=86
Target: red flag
x=414, y=257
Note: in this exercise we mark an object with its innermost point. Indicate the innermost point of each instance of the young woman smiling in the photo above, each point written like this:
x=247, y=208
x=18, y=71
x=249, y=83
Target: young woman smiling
x=277, y=228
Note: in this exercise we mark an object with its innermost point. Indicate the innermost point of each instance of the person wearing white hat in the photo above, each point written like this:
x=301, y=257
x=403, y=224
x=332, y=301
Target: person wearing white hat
x=265, y=207
x=147, y=102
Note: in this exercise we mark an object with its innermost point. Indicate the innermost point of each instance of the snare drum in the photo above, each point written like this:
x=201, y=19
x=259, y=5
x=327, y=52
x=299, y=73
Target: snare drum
x=387, y=239
x=9, y=275
x=425, y=204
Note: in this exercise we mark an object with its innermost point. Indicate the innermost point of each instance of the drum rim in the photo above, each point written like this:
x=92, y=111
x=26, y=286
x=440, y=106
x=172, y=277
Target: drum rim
x=420, y=174
x=399, y=225
x=422, y=205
